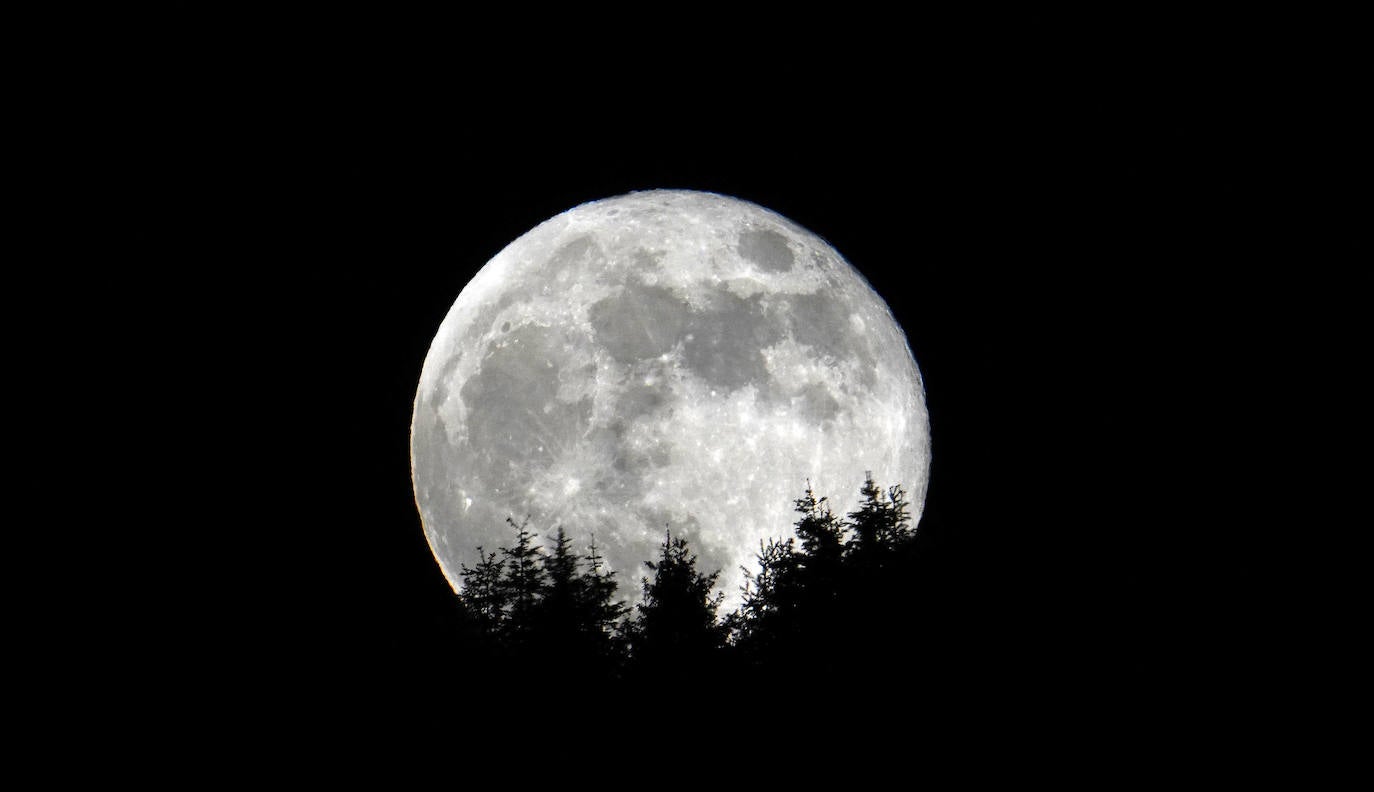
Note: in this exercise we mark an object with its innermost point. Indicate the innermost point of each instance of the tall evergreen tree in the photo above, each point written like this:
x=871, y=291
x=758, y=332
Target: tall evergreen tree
x=560, y=596
x=605, y=613
x=523, y=582
x=576, y=617
x=821, y=533
x=794, y=596
x=485, y=593
x=771, y=598
x=878, y=606
x=822, y=536
x=881, y=523
x=843, y=588
x=677, y=625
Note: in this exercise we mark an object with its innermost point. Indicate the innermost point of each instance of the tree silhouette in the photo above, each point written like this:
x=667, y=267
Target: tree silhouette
x=822, y=536
x=832, y=595
x=877, y=583
x=838, y=595
x=881, y=523
x=485, y=593
x=527, y=604
x=676, y=627
x=770, y=608
x=576, y=616
x=820, y=531
x=561, y=596
x=524, y=581
x=602, y=613
x=791, y=605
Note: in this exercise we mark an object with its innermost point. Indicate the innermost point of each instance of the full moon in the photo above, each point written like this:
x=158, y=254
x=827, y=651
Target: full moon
x=661, y=360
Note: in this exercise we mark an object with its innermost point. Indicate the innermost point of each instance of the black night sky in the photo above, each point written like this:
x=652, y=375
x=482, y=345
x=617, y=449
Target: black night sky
x=1032, y=249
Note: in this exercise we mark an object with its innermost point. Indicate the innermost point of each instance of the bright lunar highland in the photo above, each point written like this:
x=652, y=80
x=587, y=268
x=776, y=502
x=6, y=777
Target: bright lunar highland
x=661, y=360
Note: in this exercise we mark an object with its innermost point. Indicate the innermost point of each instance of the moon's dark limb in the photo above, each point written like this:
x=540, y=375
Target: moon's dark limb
x=660, y=358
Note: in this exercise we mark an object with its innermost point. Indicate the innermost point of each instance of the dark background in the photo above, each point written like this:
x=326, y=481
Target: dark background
x=1046, y=257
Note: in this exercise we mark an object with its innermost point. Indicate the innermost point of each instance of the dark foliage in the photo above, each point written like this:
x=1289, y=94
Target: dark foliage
x=843, y=598
x=677, y=626
x=881, y=525
x=837, y=595
x=529, y=605
x=837, y=621
x=576, y=617
x=484, y=592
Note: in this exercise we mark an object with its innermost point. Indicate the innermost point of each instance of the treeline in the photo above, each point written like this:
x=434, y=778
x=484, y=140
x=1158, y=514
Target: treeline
x=837, y=590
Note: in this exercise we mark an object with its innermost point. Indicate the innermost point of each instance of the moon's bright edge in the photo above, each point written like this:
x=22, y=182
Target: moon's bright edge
x=663, y=359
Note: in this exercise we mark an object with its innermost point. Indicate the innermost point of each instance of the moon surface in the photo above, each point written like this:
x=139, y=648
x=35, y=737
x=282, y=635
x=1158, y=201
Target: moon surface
x=661, y=359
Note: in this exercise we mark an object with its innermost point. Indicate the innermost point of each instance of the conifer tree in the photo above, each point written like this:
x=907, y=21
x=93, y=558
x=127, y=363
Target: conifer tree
x=770, y=597
x=881, y=523
x=677, y=625
x=794, y=593
x=820, y=531
x=835, y=589
x=822, y=536
x=523, y=582
x=604, y=612
x=561, y=597
x=485, y=593
x=577, y=615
